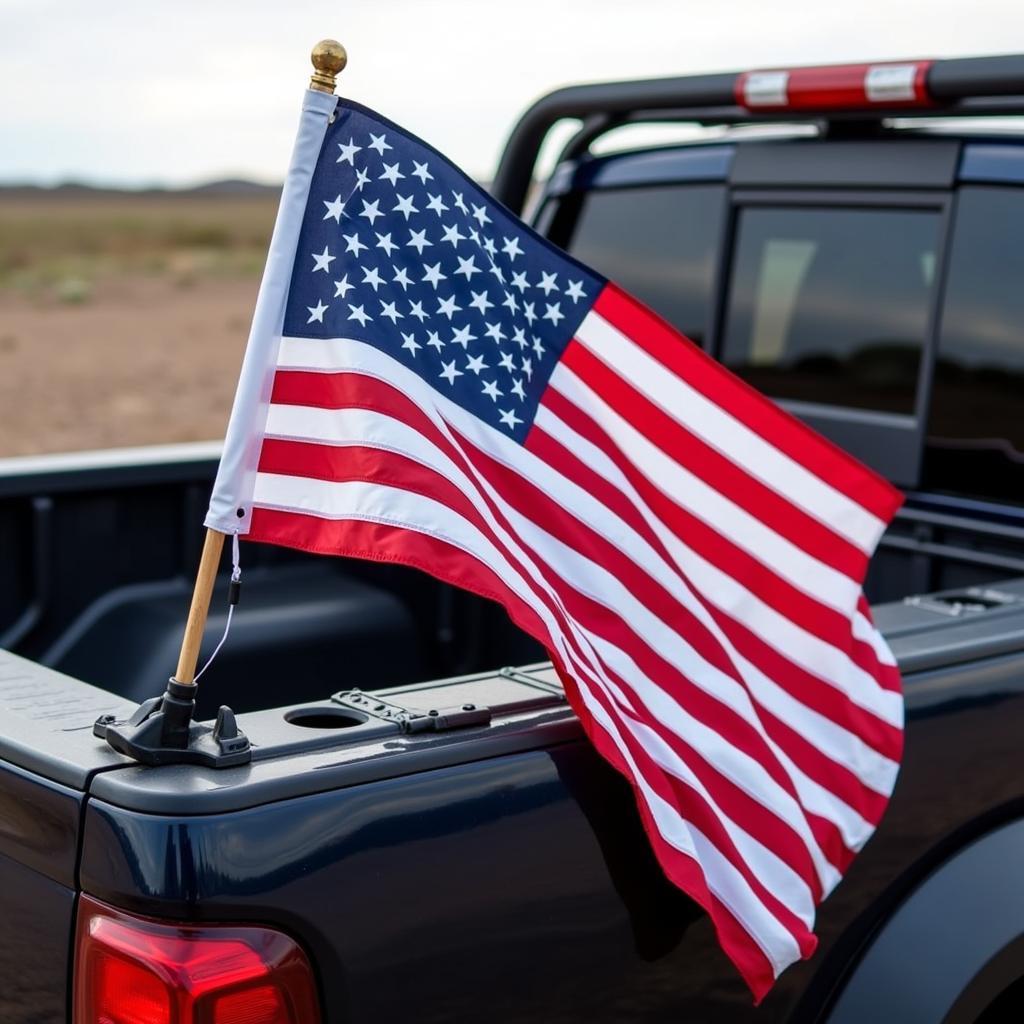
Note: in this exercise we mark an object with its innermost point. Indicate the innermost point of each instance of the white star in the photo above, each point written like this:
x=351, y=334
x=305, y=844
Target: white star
x=519, y=337
x=448, y=307
x=360, y=314
x=353, y=244
x=491, y=390
x=348, y=152
x=529, y=312
x=433, y=274
x=323, y=260
x=517, y=389
x=510, y=419
x=388, y=309
x=384, y=242
x=476, y=364
x=371, y=276
x=492, y=249
x=418, y=240
x=575, y=291
x=404, y=206
x=459, y=203
x=410, y=342
x=362, y=178
x=335, y=208
x=391, y=173
x=511, y=248
x=498, y=273
x=527, y=366
x=519, y=281
x=436, y=204
x=547, y=282
x=463, y=337
x=420, y=171
x=538, y=347
x=317, y=312
x=480, y=213
x=510, y=302
x=467, y=267
x=416, y=310
x=481, y=302
x=378, y=143
x=451, y=234
x=475, y=235
x=494, y=331
x=434, y=340
x=370, y=211
x=553, y=312
x=506, y=362
x=401, y=277
x=342, y=287
x=449, y=372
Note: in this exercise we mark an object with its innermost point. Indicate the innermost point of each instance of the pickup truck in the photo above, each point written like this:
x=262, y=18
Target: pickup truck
x=423, y=834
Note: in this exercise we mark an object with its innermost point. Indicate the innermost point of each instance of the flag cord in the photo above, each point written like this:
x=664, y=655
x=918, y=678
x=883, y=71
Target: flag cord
x=234, y=590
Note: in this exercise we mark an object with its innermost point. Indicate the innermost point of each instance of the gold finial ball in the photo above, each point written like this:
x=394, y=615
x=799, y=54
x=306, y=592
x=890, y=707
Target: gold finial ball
x=328, y=57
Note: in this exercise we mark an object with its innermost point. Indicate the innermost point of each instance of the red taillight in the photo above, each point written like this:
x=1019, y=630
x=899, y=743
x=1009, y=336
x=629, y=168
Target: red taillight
x=134, y=970
x=839, y=87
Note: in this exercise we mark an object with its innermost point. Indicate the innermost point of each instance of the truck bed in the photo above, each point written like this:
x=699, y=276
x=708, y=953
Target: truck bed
x=431, y=872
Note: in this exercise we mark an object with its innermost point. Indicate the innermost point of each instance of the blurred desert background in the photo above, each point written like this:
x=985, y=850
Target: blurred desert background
x=124, y=307
x=124, y=315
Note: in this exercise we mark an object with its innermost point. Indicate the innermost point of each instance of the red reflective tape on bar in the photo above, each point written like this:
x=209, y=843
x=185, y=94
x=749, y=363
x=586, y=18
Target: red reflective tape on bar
x=840, y=87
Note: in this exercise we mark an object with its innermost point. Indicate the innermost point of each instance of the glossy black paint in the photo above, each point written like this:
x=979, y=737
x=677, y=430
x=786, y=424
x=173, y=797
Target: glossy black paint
x=447, y=888
x=38, y=847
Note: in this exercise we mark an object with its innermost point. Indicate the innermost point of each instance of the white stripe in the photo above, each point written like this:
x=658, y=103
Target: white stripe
x=888, y=83
x=728, y=435
x=395, y=507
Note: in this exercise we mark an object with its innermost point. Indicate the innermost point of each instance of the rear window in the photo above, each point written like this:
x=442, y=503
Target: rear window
x=975, y=440
x=830, y=305
x=659, y=243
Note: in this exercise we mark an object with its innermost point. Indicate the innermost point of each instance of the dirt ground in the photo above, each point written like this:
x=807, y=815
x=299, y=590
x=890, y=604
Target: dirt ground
x=123, y=318
x=144, y=362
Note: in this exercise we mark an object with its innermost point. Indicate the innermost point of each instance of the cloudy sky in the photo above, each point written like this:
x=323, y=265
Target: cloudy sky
x=180, y=91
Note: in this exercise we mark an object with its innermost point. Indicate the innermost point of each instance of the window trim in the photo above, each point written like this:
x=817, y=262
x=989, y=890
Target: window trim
x=891, y=444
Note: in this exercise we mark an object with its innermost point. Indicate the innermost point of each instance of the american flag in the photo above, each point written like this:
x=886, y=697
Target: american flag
x=445, y=389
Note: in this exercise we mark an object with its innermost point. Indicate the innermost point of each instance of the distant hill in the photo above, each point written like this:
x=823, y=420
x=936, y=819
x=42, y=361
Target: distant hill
x=76, y=190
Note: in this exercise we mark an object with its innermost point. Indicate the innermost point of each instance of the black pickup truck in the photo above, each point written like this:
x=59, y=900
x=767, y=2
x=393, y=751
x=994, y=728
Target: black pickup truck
x=847, y=239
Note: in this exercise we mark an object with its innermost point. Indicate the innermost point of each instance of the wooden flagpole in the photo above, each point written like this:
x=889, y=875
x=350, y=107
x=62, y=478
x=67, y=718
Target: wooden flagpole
x=328, y=59
x=196, y=624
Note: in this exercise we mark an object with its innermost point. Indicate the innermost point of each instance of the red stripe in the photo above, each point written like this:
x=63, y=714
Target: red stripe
x=680, y=356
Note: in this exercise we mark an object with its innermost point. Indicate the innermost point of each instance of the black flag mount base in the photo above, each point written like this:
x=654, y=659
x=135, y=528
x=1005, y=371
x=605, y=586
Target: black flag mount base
x=162, y=731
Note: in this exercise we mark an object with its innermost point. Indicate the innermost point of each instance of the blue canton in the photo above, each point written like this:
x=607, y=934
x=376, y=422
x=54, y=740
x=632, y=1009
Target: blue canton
x=399, y=249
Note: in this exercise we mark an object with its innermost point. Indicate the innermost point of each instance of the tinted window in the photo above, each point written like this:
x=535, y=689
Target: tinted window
x=831, y=305
x=976, y=427
x=658, y=243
